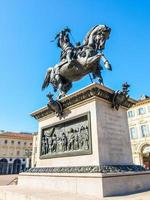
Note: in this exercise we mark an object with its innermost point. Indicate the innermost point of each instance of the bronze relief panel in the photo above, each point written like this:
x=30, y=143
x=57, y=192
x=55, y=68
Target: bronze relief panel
x=69, y=138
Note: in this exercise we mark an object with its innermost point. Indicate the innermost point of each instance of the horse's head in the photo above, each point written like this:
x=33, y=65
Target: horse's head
x=101, y=36
x=97, y=37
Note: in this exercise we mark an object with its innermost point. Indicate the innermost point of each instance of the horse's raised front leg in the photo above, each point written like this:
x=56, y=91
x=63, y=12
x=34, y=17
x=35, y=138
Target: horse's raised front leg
x=106, y=63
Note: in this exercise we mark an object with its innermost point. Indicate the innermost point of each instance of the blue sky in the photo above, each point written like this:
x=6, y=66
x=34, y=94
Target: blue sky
x=26, y=28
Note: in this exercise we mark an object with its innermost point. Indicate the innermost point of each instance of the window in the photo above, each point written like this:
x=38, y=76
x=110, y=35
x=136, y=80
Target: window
x=133, y=133
x=141, y=111
x=12, y=142
x=30, y=144
x=18, y=153
x=131, y=114
x=19, y=142
x=25, y=143
x=144, y=130
x=148, y=108
x=5, y=141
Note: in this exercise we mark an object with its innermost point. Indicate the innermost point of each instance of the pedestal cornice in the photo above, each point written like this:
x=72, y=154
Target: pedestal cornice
x=93, y=90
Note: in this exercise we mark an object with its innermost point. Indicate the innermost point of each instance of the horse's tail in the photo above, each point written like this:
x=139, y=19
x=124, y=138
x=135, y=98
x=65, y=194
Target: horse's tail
x=46, y=80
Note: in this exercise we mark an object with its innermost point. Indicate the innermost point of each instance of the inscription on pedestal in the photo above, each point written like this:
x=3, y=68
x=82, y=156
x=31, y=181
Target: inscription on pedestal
x=115, y=135
x=69, y=138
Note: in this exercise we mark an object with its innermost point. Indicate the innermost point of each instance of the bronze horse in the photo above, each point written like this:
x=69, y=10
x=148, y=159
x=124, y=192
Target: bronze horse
x=78, y=61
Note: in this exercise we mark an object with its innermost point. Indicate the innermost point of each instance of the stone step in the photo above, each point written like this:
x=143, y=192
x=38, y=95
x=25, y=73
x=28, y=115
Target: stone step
x=21, y=193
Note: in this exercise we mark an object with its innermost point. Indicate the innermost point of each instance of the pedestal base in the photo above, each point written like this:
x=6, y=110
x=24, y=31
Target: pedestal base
x=96, y=185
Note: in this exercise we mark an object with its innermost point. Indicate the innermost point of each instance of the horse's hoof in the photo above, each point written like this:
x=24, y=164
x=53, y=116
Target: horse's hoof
x=100, y=80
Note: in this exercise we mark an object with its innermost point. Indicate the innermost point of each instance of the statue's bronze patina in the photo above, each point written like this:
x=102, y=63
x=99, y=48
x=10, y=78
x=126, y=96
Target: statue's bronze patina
x=78, y=61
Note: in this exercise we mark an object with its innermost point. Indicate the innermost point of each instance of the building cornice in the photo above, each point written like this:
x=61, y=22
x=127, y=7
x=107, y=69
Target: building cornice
x=141, y=102
x=16, y=136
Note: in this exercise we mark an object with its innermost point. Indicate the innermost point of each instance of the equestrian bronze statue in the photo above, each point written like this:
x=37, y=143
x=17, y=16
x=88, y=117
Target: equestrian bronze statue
x=79, y=60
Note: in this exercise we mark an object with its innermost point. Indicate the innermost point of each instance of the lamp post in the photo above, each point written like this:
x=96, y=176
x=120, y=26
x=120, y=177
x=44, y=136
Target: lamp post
x=28, y=154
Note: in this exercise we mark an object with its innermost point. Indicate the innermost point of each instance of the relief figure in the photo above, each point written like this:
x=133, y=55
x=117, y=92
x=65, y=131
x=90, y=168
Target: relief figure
x=64, y=142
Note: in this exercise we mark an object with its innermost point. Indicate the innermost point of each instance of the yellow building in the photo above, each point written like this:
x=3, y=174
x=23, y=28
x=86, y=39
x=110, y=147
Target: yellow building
x=15, y=150
x=139, y=128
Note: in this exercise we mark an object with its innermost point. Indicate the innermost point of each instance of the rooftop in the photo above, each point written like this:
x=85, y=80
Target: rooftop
x=16, y=135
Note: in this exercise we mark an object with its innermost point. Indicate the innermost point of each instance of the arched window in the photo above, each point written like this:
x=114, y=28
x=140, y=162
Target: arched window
x=3, y=166
x=16, y=166
x=146, y=156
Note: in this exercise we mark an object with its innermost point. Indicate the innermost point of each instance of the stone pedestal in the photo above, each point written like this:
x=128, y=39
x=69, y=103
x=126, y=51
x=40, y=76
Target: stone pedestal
x=88, y=150
x=108, y=130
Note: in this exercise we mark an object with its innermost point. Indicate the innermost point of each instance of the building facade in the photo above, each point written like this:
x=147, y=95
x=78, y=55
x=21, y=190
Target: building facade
x=15, y=150
x=139, y=129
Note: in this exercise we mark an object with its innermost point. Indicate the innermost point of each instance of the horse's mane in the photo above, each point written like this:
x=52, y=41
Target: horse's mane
x=92, y=32
x=86, y=39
